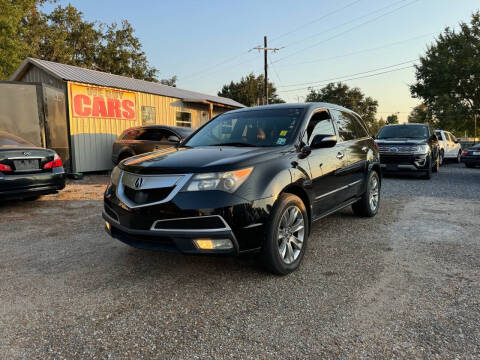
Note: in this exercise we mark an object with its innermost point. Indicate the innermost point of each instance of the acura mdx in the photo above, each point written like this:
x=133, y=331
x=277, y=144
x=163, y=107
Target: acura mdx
x=249, y=180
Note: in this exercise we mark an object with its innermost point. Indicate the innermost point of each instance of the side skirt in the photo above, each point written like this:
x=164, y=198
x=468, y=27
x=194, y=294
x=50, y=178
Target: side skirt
x=338, y=208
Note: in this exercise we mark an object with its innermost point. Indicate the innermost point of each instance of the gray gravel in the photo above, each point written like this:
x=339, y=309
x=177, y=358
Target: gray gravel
x=405, y=284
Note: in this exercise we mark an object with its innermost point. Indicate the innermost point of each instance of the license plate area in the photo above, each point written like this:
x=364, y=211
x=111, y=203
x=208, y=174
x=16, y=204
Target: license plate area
x=26, y=165
x=476, y=153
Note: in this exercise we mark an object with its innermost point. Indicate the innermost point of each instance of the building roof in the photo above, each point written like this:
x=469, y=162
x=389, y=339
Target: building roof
x=82, y=75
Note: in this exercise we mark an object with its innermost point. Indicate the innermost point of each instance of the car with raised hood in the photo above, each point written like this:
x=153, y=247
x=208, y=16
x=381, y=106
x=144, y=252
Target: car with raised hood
x=147, y=138
x=249, y=180
x=28, y=171
x=408, y=148
x=471, y=156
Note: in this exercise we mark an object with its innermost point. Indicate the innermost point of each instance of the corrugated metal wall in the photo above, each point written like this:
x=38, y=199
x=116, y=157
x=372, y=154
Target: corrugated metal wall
x=35, y=74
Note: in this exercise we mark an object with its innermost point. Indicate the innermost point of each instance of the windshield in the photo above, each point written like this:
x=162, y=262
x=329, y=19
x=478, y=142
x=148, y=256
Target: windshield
x=403, y=131
x=272, y=127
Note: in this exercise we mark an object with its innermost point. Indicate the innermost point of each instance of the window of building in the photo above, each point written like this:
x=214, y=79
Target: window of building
x=148, y=115
x=184, y=119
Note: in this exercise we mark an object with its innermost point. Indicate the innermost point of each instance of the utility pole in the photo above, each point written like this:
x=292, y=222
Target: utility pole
x=265, y=49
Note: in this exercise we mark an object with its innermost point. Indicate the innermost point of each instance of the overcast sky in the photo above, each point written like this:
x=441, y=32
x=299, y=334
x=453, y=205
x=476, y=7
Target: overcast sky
x=205, y=43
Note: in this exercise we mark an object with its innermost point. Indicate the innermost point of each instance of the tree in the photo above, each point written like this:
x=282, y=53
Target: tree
x=170, y=81
x=351, y=98
x=65, y=36
x=448, y=77
x=375, y=127
x=392, y=119
x=249, y=91
x=12, y=49
x=423, y=115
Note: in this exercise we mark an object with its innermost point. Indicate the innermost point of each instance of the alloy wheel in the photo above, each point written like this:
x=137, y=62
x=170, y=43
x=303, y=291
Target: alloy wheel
x=291, y=233
x=374, y=193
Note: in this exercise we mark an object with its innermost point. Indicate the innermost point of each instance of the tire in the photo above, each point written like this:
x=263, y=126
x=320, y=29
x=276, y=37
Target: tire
x=283, y=247
x=436, y=164
x=442, y=157
x=428, y=172
x=368, y=205
x=459, y=157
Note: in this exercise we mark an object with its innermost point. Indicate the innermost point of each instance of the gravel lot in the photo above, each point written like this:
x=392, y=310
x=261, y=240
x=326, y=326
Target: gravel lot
x=405, y=284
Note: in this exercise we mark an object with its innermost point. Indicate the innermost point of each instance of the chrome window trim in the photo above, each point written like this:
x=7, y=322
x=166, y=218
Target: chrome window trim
x=227, y=227
x=182, y=180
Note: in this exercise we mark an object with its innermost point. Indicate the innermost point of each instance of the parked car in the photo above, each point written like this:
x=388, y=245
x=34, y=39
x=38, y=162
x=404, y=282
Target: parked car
x=28, y=171
x=471, y=156
x=408, y=148
x=142, y=139
x=249, y=180
x=450, y=147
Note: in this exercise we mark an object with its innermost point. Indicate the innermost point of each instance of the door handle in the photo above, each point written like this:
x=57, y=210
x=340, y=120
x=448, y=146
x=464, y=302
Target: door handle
x=340, y=155
x=364, y=149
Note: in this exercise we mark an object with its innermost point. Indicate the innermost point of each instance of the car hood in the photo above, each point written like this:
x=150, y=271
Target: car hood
x=199, y=159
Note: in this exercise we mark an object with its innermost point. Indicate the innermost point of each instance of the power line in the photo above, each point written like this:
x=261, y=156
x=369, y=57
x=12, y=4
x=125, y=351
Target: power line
x=348, y=30
x=316, y=20
x=360, y=73
x=359, y=51
x=354, y=78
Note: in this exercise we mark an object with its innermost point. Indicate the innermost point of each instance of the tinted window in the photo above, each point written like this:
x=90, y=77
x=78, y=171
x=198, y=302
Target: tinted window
x=320, y=124
x=132, y=134
x=439, y=135
x=7, y=139
x=345, y=125
x=404, y=131
x=272, y=127
x=360, y=129
x=155, y=135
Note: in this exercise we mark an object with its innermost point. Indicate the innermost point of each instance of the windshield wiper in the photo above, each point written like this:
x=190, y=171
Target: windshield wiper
x=235, y=144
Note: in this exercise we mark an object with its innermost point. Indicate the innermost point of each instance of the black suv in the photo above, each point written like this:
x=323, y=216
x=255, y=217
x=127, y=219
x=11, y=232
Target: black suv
x=408, y=148
x=142, y=139
x=249, y=180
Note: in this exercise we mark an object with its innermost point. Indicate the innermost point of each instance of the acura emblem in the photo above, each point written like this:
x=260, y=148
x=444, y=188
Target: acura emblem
x=139, y=183
x=26, y=153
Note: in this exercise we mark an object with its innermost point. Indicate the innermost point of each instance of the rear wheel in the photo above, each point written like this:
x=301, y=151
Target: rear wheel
x=287, y=235
x=436, y=164
x=459, y=156
x=442, y=158
x=368, y=205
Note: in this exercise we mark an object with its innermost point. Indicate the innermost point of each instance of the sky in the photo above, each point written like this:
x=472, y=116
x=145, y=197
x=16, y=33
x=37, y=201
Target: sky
x=206, y=43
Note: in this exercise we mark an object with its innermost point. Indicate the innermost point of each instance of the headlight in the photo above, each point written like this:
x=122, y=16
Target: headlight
x=422, y=149
x=115, y=177
x=228, y=181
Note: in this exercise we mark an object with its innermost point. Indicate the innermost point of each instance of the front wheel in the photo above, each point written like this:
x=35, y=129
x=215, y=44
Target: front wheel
x=286, y=236
x=368, y=205
x=459, y=157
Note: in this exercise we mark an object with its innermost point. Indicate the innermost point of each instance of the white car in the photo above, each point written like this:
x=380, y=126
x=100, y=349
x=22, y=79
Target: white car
x=450, y=148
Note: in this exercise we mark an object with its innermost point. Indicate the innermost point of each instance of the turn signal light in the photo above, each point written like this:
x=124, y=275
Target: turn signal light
x=57, y=162
x=214, y=244
x=5, y=167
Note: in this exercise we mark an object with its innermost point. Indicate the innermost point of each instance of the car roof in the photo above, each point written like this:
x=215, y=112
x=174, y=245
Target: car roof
x=308, y=106
x=409, y=124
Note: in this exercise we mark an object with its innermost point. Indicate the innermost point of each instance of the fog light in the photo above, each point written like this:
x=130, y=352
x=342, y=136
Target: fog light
x=213, y=244
x=107, y=225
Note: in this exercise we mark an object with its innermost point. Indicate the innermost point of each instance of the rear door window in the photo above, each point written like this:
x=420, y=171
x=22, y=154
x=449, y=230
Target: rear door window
x=345, y=125
x=160, y=135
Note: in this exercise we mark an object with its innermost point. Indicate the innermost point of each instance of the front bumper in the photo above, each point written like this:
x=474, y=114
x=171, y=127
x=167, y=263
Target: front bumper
x=403, y=163
x=173, y=225
x=29, y=185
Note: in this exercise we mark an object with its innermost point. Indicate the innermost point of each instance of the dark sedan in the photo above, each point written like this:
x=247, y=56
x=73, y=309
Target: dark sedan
x=471, y=156
x=28, y=171
x=143, y=139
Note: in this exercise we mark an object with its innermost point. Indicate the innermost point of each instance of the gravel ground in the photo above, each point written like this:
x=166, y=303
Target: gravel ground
x=405, y=284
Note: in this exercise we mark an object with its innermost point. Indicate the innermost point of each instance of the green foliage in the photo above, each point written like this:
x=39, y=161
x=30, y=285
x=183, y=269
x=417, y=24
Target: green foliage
x=448, y=78
x=376, y=125
x=351, y=98
x=392, y=119
x=423, y=115
x=65, y=36
x=249, y=91
x=12, y=49
x=170, y=81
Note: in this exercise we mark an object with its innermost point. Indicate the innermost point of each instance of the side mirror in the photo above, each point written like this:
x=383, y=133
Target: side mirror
x=173, y=138
x=323, y=141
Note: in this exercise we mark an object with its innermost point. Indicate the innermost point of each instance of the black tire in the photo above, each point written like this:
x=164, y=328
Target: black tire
x=272, y=259
x=459, y=157
x=364, y=207
x=442, y=157
x=436, y=164
x=428, y=172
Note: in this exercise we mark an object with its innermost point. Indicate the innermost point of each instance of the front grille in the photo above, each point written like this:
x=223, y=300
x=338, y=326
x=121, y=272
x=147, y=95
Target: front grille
x=397, y=159
x=192, y=223
x=397, y=148
x=147, y=195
